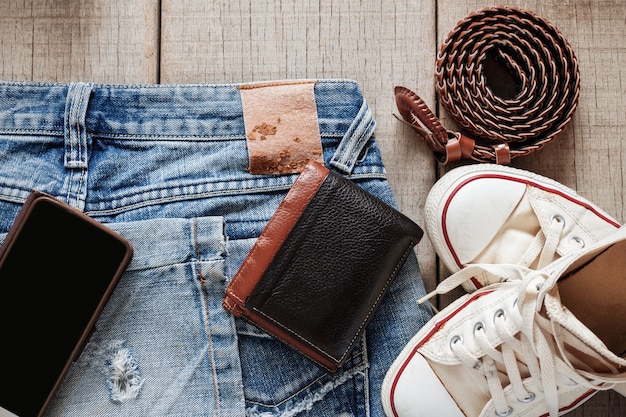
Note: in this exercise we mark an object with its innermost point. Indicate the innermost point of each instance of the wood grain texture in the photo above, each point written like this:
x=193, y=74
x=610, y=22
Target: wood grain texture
x=380, y=44
x=105, y=42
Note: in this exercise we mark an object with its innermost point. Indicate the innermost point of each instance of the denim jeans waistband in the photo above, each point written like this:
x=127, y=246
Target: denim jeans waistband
x=181, y=112
x=113, y=150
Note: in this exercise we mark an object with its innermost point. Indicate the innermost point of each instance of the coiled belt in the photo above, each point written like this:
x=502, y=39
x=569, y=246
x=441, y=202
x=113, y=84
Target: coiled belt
x=508, y=78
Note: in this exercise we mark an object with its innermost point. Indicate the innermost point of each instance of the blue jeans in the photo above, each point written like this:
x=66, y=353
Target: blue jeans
x=166, y=166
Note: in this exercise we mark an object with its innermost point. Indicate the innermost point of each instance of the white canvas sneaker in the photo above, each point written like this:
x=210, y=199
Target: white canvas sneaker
x=487, y=213
x=536, y=343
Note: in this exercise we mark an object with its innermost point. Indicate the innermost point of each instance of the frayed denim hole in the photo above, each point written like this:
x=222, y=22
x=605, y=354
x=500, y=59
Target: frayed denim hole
x=125, y=380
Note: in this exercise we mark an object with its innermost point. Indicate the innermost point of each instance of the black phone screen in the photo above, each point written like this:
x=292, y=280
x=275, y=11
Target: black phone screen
x=55, y=275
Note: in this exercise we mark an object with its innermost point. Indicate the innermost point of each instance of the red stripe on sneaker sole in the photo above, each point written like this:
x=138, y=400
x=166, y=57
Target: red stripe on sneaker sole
x=434, y=330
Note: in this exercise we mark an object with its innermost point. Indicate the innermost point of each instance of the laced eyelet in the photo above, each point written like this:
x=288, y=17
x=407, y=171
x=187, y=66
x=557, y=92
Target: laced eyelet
x=530, y=398
x=479, y=327
x=559, y=219
x=506, y=413
x=499, y=314
x=455, y=339
x=578, y=241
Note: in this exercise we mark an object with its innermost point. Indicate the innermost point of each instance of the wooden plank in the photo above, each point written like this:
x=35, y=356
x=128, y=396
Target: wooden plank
x=374, y=42
x=104, y=42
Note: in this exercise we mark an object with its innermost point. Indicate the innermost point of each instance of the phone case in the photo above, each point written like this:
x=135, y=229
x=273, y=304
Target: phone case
x=26, y=259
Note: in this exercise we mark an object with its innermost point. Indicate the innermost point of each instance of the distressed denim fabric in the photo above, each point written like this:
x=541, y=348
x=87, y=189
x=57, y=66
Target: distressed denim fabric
x=165, y=167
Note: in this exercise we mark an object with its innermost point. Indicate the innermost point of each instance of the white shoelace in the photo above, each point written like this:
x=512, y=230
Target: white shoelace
x=537, y=349
x=544, y=244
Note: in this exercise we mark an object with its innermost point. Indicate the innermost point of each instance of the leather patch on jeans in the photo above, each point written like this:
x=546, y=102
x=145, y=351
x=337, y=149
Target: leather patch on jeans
x=282, y=131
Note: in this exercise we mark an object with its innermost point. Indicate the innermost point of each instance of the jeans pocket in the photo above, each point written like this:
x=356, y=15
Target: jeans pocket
x=278, y=381
x=277, y=378
x=8, y=211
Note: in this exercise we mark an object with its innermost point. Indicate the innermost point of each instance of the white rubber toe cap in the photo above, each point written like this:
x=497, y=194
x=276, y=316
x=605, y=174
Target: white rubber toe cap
x=415, y=391
x=488, y=202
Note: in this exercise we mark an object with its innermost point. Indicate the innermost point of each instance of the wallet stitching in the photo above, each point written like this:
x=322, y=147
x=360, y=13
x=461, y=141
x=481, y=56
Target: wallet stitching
x=292, y=332
x=234, y=295
x=380, y=294
x=369, y=313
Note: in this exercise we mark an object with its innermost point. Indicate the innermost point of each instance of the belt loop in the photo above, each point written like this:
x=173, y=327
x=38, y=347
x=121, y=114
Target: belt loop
x=354, y=140
x=75, y=133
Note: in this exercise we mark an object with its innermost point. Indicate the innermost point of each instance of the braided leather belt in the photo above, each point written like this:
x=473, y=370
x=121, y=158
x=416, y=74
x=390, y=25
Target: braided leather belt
x=508, y=78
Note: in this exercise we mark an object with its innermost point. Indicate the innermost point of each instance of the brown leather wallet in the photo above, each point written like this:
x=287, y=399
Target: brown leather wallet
x=321, y=266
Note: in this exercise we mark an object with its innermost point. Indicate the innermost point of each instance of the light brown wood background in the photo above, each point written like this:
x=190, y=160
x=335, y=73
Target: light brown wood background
x=379, y=43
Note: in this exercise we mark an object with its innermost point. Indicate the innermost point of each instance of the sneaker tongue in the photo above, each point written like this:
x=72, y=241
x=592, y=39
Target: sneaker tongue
x=596, y=295
x=514, y=237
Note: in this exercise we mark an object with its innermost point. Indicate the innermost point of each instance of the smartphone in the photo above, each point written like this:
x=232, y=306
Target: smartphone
x=58, y=267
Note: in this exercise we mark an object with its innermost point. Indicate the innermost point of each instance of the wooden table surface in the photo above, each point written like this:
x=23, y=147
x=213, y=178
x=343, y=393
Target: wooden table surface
x=379, y=43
